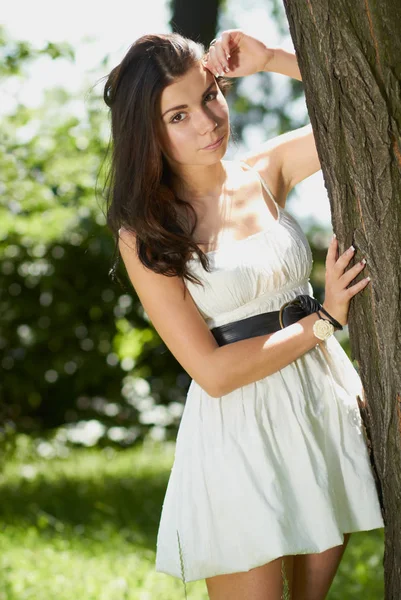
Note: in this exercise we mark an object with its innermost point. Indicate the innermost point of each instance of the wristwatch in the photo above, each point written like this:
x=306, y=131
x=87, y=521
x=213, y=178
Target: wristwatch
x=323, y=328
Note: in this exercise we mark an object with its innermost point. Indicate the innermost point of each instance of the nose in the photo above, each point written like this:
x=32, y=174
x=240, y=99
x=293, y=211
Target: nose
x=205, y=121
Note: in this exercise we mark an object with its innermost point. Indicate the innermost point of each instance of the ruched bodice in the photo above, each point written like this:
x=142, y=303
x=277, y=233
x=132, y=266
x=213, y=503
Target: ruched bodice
x=254, y=275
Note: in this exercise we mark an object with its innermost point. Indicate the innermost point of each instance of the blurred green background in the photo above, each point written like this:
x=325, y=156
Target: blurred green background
x=90, y=400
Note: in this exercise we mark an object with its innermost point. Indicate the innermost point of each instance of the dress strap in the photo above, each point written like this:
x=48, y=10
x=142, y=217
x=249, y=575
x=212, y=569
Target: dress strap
x=263, y=183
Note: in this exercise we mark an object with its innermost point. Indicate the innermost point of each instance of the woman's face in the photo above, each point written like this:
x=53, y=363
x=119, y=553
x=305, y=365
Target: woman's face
x=193, y=115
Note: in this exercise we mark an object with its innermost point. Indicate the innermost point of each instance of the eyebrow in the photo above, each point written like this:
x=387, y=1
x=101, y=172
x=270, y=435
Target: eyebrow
x=186, y=105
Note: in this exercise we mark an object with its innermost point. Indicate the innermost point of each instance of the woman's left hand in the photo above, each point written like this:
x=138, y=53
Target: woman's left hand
x=247, y=55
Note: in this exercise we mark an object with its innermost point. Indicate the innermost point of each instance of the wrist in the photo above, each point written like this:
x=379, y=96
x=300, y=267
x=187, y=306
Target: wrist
x=325, y=315
x=270, y=55
x=316, y=317
x=284, y=62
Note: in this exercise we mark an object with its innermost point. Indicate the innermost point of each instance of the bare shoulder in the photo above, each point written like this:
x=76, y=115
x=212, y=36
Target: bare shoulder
x=174, y=315
x=267, y=161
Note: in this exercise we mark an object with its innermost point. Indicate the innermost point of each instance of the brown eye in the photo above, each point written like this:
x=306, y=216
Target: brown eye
x=214, y=94
x=177, y=115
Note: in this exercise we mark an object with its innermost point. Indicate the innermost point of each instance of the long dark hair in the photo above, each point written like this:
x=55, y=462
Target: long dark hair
x=138, y=193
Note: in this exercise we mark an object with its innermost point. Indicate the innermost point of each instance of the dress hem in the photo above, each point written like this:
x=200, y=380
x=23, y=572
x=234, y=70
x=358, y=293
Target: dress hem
x=285, y=553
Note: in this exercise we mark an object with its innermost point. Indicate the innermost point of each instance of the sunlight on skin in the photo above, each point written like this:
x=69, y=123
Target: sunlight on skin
x=185, y=132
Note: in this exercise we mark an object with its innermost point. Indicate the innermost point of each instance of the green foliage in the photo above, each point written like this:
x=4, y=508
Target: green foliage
x=15, y=54
x=74, y=344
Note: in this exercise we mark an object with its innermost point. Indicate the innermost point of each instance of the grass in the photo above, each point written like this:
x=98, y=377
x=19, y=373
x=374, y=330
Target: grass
x=85, y=526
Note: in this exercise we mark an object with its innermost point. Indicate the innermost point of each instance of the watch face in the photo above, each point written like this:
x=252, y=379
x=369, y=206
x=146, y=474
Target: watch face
x=324, y=328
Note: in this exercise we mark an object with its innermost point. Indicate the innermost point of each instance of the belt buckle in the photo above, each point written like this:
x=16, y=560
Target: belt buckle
x=281, y=312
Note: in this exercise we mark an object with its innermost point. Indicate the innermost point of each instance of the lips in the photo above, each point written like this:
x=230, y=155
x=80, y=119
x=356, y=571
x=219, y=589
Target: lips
x=216, y=143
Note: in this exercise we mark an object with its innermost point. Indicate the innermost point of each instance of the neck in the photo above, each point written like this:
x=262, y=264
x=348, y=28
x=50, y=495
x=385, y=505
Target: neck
x=200, y=183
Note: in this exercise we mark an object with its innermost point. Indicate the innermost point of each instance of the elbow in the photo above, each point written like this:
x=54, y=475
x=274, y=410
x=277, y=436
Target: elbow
x=222, y=383
x=218, y=389
x=212, y=389
x=215, y=393
x=214, y=386
x=213, y=380
x=207, y=382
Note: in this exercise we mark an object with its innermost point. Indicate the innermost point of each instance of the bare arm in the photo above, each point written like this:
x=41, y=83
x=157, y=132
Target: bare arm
x=217, y=369
x=284, y=62
x=246, y=361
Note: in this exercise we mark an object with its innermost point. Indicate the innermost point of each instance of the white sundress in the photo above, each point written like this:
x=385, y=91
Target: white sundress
x=276, y=467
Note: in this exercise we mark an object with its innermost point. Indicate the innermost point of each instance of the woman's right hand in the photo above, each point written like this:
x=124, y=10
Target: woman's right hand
x=337, y=295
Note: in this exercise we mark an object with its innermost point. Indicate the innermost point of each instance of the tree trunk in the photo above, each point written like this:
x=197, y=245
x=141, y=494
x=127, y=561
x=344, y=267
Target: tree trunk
x=196, y=20
x=349, y=55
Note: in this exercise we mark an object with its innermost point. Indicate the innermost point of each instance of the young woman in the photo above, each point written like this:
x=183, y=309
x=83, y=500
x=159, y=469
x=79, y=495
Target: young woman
x=271, y=471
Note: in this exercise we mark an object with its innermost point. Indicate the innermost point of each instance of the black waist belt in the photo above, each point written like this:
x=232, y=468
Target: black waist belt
x=268, y=322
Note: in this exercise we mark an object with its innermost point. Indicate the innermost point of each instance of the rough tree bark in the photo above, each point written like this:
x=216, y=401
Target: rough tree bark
x=196, y=20
x=349, y=54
